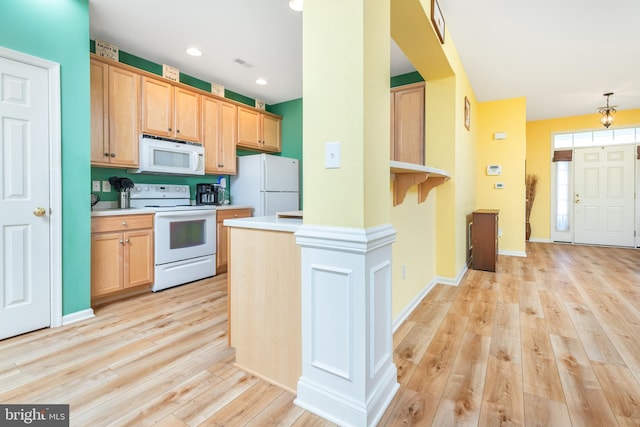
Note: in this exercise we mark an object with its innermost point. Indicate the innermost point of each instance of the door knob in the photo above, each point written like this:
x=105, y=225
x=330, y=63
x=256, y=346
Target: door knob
x=39, y=211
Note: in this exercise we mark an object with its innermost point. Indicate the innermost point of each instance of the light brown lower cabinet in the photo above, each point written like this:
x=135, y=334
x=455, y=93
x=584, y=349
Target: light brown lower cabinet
x=222, y=234
x=121, y=255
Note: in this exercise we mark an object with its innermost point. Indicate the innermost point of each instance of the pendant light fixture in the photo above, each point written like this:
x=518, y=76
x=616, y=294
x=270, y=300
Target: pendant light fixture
x=607, y=112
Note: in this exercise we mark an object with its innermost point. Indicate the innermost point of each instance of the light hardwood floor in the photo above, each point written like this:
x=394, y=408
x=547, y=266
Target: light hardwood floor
x=548, y=340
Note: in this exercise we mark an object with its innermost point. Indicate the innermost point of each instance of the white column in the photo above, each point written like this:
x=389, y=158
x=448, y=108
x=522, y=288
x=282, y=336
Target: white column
x=348, y=374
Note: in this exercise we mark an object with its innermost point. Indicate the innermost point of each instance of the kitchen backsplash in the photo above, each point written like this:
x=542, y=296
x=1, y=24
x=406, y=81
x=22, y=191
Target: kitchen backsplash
x=103, y=174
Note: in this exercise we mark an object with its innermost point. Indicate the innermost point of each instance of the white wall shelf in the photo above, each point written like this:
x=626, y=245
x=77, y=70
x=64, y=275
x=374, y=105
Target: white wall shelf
x=407, y=175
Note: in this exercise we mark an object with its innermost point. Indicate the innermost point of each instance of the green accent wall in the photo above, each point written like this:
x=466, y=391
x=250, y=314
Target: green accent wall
x=58, y=31
x=291, y=112
x=103, y=174
x=406, y=79
x=152, y=67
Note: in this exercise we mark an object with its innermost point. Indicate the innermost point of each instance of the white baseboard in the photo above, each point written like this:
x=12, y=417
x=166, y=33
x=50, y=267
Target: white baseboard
x=404, y=314
x=78, y=316
x=513, y=253
x=537, y=240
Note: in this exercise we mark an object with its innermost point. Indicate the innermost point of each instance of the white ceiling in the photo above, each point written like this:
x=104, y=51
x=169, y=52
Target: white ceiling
x=562, y=56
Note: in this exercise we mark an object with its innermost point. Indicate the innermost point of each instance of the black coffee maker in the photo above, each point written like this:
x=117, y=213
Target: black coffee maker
x=207, y=194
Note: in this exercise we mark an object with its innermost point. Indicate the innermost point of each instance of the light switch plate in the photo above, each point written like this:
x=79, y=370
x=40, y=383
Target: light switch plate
x=95, y=185
x=106, y=187
x=332, y=155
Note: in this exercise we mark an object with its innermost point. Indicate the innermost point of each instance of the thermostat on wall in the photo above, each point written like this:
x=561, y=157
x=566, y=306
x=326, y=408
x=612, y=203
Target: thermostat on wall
x=494, y=170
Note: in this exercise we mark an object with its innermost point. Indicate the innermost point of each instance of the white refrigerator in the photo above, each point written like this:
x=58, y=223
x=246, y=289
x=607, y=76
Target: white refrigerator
x=267, y=183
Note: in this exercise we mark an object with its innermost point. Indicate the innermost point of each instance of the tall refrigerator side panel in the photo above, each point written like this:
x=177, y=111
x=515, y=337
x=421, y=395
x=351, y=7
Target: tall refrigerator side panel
x=280, y=173
x=245, y=186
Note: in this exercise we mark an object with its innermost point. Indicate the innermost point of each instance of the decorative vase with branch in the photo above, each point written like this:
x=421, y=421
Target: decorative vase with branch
x=531, y=183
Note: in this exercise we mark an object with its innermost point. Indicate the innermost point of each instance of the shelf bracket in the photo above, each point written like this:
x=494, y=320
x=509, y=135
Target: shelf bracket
x=406, y=175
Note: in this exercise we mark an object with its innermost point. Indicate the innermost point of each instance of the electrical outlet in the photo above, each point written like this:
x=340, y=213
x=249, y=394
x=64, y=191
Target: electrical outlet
x=106, y=187
x=95, y=185
x=404, y=271
x=499, y=232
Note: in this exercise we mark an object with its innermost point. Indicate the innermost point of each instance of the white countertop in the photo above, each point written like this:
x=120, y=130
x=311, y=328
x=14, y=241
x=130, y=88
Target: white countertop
x=272, y=223
x=109, y=211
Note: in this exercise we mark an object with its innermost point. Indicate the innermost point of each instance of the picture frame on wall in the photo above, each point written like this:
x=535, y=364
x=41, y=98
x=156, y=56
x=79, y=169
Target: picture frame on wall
x=438, y=20
x=467, y=113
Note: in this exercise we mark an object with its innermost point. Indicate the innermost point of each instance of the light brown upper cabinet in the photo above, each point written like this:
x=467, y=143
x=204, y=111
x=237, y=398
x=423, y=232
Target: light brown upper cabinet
x=407, y=123
x=115, y=114
x=169, y=110
x=259, y=131
x=219, y=122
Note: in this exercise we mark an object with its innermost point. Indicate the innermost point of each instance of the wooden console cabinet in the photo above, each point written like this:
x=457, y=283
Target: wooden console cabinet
x=484, y=240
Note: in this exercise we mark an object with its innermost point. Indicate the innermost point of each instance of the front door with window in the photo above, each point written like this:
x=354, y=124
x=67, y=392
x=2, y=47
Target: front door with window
x=604, y=195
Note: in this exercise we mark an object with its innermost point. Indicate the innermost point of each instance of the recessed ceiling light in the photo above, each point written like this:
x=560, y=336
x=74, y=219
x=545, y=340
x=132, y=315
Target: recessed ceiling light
x=194, y=51
x=296, y=5
x=261, y=82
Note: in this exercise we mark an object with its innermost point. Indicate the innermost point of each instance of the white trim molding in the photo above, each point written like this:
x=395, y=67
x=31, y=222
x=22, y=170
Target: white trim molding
x=513, y=253
x=78, y=316
x=55, y=177
x=348, y=374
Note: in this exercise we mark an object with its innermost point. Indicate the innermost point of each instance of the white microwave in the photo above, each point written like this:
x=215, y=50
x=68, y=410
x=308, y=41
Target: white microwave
x=167, y=156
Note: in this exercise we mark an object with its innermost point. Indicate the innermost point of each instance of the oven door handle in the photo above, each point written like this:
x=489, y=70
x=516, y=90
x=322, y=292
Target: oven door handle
x=204, y=213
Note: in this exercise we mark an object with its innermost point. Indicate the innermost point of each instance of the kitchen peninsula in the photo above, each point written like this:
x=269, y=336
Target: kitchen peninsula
x=264, y=297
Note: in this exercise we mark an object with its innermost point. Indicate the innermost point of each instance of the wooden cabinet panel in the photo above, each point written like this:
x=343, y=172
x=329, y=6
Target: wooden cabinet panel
x=157, y=107
x=484, y=232
x=248, y=128
x=106, y=258
x=170, y=111
x=99, y=112
x=187, y=114
x=258, y=131
x=271, y=133
x=115, y=113
x=219, y=121
x=121, y=253
x=407, y=124
x=121, y=223
x=139, y=257
x=222, y=235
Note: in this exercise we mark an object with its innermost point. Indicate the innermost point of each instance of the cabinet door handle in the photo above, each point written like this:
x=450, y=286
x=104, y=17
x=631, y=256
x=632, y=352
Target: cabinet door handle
x=113, y=154
x=169, y=129
x=124, y=222
x=121, y=242
x=107, y=154
x=126, y=241
x=177, y=130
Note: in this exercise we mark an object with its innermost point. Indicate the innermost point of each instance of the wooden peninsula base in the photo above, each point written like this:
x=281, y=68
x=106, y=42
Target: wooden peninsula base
x=264, y=295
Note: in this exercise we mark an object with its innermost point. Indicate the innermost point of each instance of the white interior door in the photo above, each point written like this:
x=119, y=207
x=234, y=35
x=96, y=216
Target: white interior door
x=604, y=195
x=25, y=283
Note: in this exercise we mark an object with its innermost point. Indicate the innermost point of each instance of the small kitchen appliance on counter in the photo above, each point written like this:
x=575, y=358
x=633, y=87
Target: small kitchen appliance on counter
x=184, y=234
x=207, y=194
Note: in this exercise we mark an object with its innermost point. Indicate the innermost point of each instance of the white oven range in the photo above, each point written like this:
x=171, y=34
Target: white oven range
x=184, y=234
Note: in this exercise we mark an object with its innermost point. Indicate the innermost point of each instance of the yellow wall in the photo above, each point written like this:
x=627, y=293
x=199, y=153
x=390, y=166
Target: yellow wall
x=432, y=238
x=346, y=77
x=539, y=135
x=503, y=116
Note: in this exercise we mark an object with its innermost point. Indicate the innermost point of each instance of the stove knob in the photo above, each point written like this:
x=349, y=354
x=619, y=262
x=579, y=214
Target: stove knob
x=138, y=188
